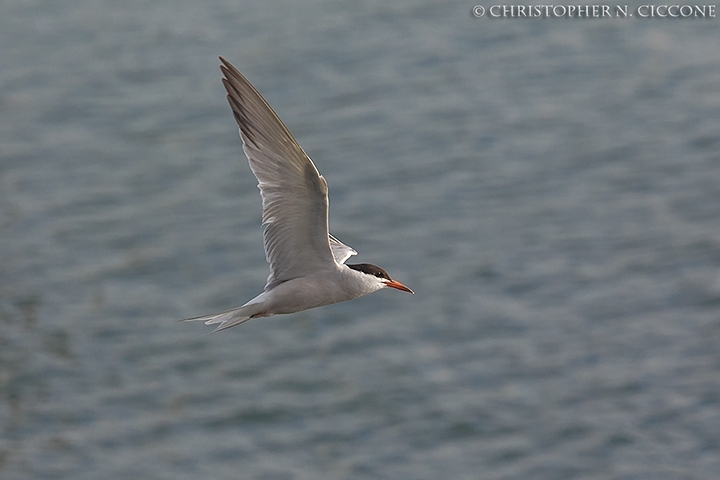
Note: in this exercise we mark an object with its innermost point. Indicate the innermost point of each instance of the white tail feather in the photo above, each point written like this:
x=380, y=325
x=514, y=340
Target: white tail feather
x=232, y=317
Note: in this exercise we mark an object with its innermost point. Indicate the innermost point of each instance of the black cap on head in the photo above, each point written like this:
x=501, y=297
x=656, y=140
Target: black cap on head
x=370, y=269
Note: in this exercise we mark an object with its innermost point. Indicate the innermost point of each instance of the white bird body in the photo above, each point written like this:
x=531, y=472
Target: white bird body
x=307, y=264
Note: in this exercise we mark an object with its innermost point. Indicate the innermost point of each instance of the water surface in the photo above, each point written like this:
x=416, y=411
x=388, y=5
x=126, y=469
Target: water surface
x=549, y=188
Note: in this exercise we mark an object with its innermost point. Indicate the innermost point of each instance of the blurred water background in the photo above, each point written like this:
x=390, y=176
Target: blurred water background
x=550, y=189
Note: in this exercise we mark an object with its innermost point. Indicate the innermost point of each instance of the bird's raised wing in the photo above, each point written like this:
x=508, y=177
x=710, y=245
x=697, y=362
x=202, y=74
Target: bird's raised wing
x=294, y=194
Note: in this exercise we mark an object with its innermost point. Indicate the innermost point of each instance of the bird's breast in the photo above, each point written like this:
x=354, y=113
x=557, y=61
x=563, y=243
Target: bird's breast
x=308, y=292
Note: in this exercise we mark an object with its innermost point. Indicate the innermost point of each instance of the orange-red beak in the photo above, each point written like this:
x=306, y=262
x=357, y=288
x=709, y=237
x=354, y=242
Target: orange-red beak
x=398, y=285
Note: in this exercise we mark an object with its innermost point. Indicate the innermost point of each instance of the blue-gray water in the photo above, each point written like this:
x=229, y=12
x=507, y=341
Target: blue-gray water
x=549, y=188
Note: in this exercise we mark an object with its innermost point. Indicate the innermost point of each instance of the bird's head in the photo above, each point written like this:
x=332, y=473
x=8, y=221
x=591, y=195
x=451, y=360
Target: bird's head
x=378, y=275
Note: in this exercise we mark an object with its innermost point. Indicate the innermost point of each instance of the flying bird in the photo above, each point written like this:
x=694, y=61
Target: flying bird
x=307, y=263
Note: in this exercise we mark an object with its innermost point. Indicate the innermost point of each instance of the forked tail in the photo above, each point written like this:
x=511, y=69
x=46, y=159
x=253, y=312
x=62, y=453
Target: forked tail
x=229, y=318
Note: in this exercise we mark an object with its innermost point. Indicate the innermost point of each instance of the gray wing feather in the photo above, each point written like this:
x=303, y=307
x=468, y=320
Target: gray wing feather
x=294, y=194
x=340, y=251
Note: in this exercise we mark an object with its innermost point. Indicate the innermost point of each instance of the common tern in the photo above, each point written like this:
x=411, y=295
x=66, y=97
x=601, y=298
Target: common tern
x=307, y=263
